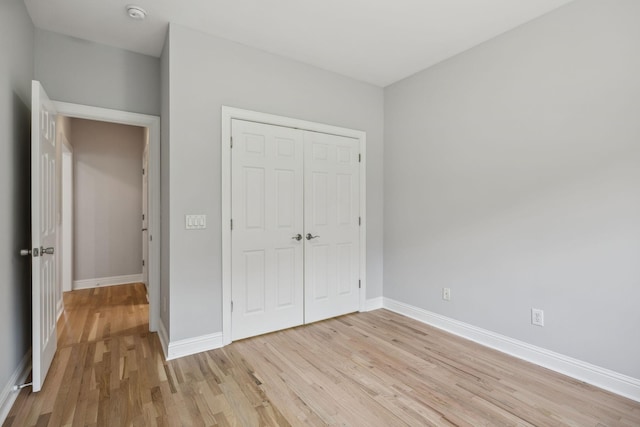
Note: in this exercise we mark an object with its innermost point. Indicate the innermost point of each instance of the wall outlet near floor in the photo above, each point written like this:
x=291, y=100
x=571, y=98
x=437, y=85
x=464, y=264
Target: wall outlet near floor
x=537, y=317
x=446, y=294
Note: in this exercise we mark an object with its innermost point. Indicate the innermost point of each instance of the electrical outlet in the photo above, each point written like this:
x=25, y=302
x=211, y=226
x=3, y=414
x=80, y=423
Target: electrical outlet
x=446, y=294
x=537, y=317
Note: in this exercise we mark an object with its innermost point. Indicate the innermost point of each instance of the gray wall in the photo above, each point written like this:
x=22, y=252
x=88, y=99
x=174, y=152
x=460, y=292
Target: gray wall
x=107, y=199
x=512, y=176
x=83, y=72
x=205, y=73
x=16, y=72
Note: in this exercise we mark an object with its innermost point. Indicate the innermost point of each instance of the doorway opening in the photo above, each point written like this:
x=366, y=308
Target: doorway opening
x=96, y=229
x=108, y=216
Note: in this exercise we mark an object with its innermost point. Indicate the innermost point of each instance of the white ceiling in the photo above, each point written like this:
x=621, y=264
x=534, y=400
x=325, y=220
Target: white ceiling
x=376, y=41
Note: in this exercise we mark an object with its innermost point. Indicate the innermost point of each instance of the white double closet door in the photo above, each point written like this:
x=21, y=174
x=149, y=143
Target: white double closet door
x=295, y=227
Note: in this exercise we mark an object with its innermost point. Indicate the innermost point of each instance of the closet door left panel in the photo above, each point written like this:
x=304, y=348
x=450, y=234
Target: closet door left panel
x=267, y=258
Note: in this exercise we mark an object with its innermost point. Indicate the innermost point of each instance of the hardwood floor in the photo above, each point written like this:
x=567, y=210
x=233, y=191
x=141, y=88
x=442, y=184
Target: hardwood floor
x=364, y=369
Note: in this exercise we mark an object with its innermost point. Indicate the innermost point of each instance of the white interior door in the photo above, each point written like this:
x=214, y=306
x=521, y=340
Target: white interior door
x=43, y=229
x=145, y=215
x=267, y=228
x=332, y=228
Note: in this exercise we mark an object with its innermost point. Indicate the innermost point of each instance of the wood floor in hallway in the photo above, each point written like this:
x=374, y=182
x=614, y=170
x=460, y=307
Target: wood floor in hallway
x=365, y=369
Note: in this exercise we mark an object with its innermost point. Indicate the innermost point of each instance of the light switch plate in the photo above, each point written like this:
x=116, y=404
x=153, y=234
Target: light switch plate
x=195, y=222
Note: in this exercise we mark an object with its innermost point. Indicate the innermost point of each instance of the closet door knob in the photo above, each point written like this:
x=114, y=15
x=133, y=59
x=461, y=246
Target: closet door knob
x=297, y=237
x=309, y=236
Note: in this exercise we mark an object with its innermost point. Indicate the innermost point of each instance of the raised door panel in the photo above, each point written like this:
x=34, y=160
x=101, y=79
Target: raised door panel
x=254, y=188
x=254, y=282
x=288, y=284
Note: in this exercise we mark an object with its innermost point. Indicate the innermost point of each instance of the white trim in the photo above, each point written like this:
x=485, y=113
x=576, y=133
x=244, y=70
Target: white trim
x=62, y=236
x=153, y=123
x=164, y=339
x=106, y=281
x=187, y=347
x=374, y=304
x=229, y=113
x=66, y=223
x=8, y=395
x=600, y=377
x=190, y=346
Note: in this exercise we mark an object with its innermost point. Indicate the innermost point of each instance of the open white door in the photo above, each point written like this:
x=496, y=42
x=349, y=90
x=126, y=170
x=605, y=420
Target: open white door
x=43, y=232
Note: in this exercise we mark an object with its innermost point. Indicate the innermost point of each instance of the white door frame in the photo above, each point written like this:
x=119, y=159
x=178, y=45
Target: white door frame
x=153, y=124
x=66, y=226
x=229, y=113
x=145, y=211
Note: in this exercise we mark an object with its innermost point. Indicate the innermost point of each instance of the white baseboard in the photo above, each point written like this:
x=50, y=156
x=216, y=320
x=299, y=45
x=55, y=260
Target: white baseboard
x=8, y=395
x=373, y=304
x=107, y=281
x=187, y=347
x=600, y=377
x=191, y=346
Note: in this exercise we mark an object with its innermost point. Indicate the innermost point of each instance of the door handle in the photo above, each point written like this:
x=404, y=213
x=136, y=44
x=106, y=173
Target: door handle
x=48, y=251
x=309, y=236
x=297, y=237
x=144, y=229
x=25, y=252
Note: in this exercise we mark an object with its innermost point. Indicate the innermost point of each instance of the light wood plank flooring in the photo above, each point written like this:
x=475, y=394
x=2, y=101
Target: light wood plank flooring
x=364, y=369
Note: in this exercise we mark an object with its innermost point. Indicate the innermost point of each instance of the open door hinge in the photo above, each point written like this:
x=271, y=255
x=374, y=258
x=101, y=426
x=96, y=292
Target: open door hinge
x=359, y=284
x=231, y=142
x=232, y=224
x=232, y=306
x=359, y=158
x=359, y=220
x=142, y=171
x=143, y=263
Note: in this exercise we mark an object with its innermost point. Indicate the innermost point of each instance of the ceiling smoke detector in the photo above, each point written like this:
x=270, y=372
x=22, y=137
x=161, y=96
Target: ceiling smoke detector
x=136, y=12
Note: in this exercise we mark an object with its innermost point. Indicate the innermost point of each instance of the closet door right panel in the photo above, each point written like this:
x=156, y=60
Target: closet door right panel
x=332, y=229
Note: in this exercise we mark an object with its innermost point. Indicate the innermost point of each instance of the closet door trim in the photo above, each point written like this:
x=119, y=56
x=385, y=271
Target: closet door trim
x=230, y=113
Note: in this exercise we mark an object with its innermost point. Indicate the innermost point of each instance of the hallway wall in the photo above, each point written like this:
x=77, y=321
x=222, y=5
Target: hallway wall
x=107, y=199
